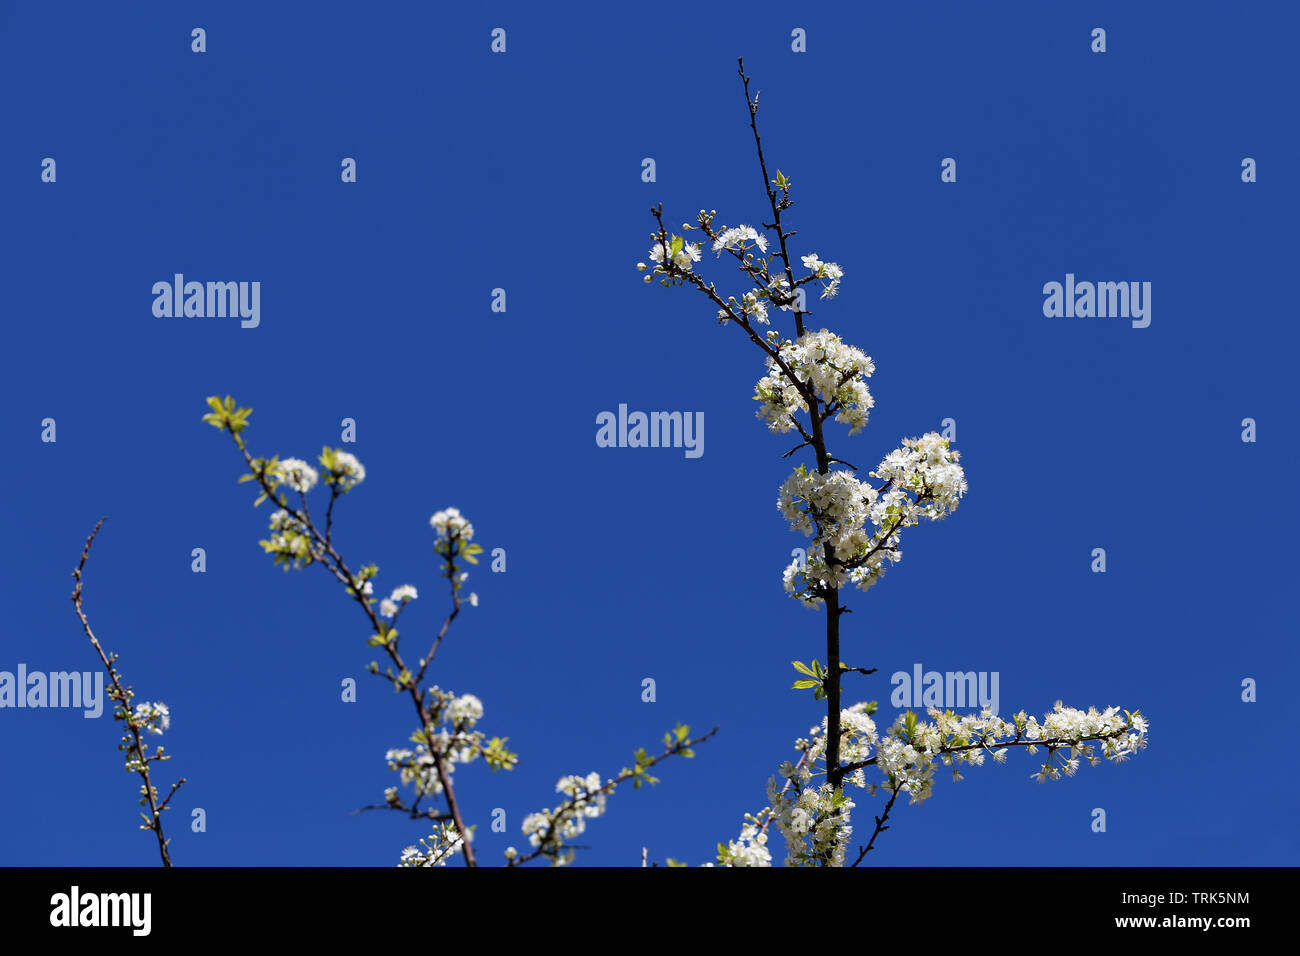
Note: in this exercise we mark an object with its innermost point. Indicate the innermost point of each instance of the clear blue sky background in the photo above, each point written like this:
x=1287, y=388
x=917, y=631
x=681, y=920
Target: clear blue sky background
x=522, y=171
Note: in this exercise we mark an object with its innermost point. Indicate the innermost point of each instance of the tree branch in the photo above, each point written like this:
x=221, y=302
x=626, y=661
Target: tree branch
x=122, y=695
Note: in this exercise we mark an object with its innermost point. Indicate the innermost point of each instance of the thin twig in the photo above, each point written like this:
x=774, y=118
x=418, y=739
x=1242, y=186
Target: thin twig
x=880, y=827
x=123, y=695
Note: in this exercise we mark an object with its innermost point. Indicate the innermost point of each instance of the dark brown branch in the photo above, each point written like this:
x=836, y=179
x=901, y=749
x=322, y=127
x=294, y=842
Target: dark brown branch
x=880, y=827
x=122, y=695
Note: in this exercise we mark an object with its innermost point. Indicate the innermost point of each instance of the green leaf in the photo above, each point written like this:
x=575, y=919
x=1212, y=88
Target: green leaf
x=804, y=684
x=803, y=668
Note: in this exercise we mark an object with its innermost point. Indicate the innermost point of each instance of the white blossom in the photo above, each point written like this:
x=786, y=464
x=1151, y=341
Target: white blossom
x=815, y=820
x=348, y=472
x=417, y=769
x=390, y=605
x=683, y=260
x=824, y=270
x=836, y=373
x=450, y=523
x=751, y=849
x=466, y=709
x=548, y=829
x=152, y=717
x=922, y=480
x=296, y=473
x=737, y=236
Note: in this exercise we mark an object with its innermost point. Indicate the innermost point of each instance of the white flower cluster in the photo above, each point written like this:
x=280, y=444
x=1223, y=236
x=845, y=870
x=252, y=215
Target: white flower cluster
x=155, y=718
x=923, y=480
x=814, y=820
x=836, y=372
x=736, y=237
x=458, y=742
x=908, y=753
x=417, y=769
x=454, y=536
x=683, y=259
x=281, y=520
x=928, y=468
x=450, y=524
x=295, y=473
x=548, y=829
x=751, y=848
x=908, y=756
x=390, y=605
x=443, y=843
x=464, y=710
x=857, y=733
x=825, y=270
x=1069, y=723
x=833, y=510
x=346, y=471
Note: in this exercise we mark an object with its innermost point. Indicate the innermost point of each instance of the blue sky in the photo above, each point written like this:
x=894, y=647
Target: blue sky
x=522, y=171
